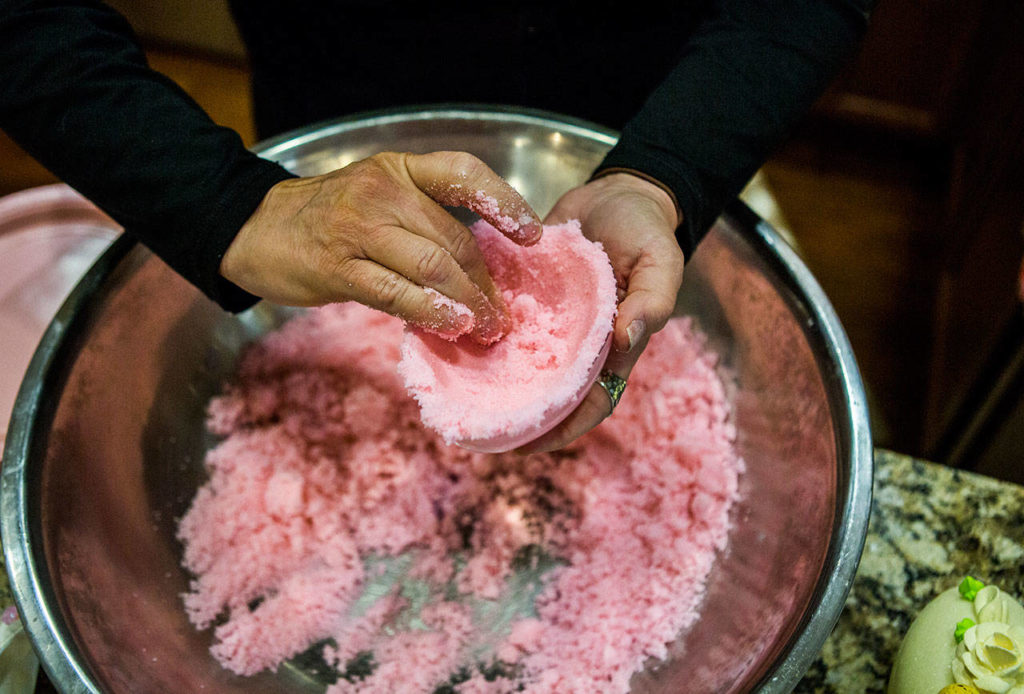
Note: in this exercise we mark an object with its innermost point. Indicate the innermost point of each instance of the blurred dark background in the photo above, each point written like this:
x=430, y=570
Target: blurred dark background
x=903, y=190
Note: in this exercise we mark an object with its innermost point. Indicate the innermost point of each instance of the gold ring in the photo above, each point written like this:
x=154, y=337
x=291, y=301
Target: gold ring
x=613, y=385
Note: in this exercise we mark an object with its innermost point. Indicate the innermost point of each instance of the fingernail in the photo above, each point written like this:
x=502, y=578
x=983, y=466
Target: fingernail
x=530, y=230
x=635, y=333
x=489, y=335
x=494, y=320
x=491, y=325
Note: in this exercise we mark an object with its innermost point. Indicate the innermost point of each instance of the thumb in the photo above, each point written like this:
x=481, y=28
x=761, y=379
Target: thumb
x=458, y=179
x=651, y=293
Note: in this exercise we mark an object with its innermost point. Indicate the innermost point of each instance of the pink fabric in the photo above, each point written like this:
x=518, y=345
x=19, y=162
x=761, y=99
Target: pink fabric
x=561, y=295
x=325, y=464
x=49, y=236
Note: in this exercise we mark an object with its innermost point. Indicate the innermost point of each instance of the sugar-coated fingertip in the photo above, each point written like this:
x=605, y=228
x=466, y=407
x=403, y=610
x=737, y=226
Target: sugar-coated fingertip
x=487, y=339
x=531, y=233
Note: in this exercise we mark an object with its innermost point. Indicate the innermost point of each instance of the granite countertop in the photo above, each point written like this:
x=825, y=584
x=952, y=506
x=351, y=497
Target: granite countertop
x=929, y=526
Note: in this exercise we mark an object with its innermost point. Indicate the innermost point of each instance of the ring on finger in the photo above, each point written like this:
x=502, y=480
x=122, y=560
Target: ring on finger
x=613, y=385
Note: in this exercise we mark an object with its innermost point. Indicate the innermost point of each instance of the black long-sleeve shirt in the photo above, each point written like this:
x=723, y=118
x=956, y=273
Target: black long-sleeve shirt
x=702, y=93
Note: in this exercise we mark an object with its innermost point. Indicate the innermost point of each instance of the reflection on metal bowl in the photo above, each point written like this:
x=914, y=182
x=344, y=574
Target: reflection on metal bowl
x=107, y=440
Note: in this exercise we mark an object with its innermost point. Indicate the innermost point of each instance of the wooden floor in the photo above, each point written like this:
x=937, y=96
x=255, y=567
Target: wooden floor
x=859, y=209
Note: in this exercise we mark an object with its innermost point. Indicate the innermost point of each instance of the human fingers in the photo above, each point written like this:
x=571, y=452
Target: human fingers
x=459, y=179
x=379, y=287
x=651, y=291
x=431, y=221
x=427, y=264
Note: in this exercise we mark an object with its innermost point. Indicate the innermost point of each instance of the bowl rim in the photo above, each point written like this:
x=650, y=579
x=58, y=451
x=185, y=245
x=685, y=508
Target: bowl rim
x=850, y=519
x=493, y=113
x=22, y=541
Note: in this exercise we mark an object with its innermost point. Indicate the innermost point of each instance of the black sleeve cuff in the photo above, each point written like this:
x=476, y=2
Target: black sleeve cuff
x=226, y=216
x=673, y=175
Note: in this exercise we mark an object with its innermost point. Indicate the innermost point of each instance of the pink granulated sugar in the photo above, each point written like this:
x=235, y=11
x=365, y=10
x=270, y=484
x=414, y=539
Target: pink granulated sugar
x=561, y=297
x=325, y=468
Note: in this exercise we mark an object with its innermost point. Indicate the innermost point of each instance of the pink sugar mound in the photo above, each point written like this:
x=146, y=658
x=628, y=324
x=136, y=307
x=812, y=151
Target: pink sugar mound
x=561, y=296
x=325, y=474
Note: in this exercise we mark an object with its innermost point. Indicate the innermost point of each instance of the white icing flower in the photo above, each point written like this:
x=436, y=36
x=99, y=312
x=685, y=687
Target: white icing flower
x=993, y=605
x=991, y=656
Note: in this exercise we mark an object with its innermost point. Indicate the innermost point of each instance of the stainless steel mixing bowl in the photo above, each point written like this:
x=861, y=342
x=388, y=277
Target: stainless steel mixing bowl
x=106, y=444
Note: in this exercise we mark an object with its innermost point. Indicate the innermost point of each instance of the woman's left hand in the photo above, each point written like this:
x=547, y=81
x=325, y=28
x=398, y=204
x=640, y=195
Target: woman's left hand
x=635, y=221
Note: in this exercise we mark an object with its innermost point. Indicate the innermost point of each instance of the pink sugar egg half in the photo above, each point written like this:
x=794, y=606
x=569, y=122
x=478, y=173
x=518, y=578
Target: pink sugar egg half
x=561, y=295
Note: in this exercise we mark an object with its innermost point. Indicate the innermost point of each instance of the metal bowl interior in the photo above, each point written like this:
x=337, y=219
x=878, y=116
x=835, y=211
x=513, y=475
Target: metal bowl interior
x=107, y=440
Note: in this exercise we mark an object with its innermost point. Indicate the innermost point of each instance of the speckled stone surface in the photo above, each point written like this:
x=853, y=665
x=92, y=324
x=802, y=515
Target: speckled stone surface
x=6, y=599
x=929, y=526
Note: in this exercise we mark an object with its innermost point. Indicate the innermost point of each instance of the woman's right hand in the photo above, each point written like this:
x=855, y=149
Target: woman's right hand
x=376, y=232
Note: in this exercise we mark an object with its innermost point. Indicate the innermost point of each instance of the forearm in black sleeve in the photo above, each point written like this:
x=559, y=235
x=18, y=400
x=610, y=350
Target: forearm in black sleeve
x=747, y=75
x=77, y=94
